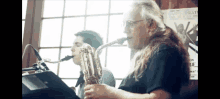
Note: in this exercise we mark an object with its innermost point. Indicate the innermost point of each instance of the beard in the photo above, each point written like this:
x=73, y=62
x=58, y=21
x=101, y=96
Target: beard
x=140, y=38
x=136, y=44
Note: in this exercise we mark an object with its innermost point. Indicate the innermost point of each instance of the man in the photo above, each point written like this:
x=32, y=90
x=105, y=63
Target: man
x=92, y=38
x=161, y=65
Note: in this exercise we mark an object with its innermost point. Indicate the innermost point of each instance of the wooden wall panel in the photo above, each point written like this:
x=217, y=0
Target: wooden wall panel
x=28, y=32
x=32, y=31
x=176, y=4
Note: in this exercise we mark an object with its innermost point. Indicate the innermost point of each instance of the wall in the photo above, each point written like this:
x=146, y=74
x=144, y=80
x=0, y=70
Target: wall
x=190, y=91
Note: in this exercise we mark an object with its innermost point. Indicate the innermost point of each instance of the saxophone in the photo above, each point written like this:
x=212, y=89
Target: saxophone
x=90, y=61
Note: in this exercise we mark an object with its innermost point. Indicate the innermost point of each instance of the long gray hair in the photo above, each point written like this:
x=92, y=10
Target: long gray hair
x=150, y=11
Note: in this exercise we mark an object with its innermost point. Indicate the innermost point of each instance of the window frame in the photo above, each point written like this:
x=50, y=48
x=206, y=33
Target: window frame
x=32, y=29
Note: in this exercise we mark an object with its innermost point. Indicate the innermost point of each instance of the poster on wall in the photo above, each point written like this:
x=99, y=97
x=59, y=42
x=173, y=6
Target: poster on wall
x=184, y=22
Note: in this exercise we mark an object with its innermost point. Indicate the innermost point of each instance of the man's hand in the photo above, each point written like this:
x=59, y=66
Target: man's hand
x=97, y=91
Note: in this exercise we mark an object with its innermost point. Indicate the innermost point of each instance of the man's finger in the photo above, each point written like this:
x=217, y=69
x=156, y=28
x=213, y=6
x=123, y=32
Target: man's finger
x=89, y=97
x=88, y=92
x=87, y=87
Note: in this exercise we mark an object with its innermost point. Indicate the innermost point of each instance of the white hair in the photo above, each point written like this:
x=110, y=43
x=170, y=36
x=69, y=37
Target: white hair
x=150, y=10
x=133, y=61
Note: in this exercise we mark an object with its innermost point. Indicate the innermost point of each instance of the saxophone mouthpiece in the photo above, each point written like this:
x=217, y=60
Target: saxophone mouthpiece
x=67, y=58
x=121, y=41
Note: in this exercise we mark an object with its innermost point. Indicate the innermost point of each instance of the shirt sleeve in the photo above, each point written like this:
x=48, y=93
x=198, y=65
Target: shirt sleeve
x=163, y=71
x=107, y=77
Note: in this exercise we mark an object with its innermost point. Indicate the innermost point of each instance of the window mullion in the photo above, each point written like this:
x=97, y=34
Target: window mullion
x=106, y=52
x=85, y=15
x=61, y=37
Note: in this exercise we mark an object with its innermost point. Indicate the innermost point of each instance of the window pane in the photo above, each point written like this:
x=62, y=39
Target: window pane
x=51, y=54
x=97, y=7
x=23, y=23
x=53, y=8
x=115, y=28
x=102, y=57
x=24, y=8
x=71, y=83
x=67, y=68
x=117, y=6
x=75, y=7
x=50, y=35
x=118, y=82
x=118, y=61
x=70, y=27
x=98, y=24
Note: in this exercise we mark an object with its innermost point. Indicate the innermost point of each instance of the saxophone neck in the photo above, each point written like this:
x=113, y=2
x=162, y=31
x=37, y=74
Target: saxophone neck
x=119, y=41
x=66, y=58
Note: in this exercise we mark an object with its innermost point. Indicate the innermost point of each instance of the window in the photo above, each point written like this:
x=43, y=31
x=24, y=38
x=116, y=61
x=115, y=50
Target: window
x=24, y=9
x=62, y=18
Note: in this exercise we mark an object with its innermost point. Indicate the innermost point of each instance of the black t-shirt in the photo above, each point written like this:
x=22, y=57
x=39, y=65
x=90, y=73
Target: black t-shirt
x=163, y=72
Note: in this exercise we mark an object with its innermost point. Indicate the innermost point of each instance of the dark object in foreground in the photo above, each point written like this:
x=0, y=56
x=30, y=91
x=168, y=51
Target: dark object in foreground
x=45, y=85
